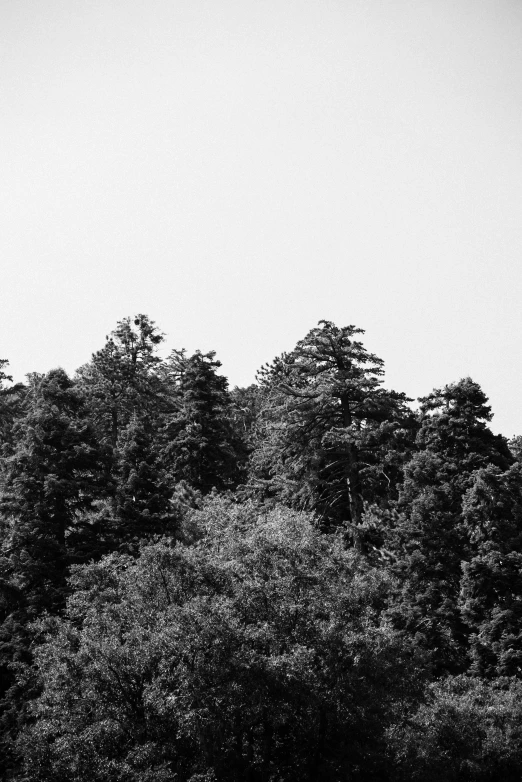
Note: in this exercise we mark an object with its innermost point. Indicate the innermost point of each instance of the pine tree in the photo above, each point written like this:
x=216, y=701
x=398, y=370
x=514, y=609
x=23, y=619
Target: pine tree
x=54, y=474
x=121, y=383
x=430, y=536
x=10, y=407
x=201, y=446
x=122, y=378
x=246, y=405
x=144, y=487
x=52, y=477
x=326, y=426
x=491, y=586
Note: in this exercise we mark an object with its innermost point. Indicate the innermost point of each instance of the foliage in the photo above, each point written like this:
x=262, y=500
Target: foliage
x=51, y=478
x=491, y=590
x=325, y=419
x=52, y=474
x=246, y=406
x=256, y=654
x=430, y=537
x=121, y=378
x=201, y=446
x=143, y=505
x=332, y=564
x=467, y=731
x=10, y=406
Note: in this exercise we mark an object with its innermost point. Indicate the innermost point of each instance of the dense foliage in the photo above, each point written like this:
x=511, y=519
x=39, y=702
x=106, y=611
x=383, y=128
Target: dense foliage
x=305, y=579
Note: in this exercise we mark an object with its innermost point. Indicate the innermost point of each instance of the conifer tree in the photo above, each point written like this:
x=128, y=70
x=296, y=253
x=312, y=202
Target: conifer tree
x=515, y=446
x=430, y=537
x=121, y=384
x=326, y=425
x=10, y=406
x=144, y=486
x=54, y=475
x=491, y=586
x=121, y=378
x=246, y=405
x=201, y=445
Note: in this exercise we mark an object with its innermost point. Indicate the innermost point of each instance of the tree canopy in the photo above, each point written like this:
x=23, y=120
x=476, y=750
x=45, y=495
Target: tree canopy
x=309, y=578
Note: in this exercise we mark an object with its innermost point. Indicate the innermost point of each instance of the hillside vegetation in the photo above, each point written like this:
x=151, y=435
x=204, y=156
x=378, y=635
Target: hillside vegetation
x=304, y=579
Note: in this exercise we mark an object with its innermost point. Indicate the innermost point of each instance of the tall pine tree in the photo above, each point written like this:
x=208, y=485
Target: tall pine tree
x=326, y=426
x=491, y=586
x=430, y=537
x=122, y=379
x=201, y=448
x=52, y=477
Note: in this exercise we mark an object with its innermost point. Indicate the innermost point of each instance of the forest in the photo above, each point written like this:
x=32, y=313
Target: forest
x=313, y=578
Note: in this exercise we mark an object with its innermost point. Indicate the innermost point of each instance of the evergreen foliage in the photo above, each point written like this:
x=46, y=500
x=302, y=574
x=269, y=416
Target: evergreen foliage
x=144, y=491
x=10, y=406
x=303, y=579
x=326, y=424
x=201, y=445
x=430, y=536
x=491, y=590
x=121, y=379
x=54, y=474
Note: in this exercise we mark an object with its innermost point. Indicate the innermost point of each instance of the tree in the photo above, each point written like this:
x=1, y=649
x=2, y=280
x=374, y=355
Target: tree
x=455, y=426
x=201, y=446
x=121, y=378
x=429, y=536
x=123, y=388
x=467, y=729
x=246, y=406
x=10, y=406
x=54, y=475
x=257, y=654
x=327, y=426
x=145, y=487
x=491, y=586
x=515, y=446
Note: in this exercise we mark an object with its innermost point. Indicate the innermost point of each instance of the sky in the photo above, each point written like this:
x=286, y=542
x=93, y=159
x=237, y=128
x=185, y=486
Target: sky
x=240, y=169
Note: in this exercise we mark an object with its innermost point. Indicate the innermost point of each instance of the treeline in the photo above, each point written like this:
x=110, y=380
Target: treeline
x=304, y=579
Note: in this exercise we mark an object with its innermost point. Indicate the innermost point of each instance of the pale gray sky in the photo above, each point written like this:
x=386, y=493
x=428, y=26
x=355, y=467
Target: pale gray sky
x=239, y=169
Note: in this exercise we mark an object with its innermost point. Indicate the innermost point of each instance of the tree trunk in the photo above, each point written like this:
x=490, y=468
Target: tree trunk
x=114, y=427
x=351, y=470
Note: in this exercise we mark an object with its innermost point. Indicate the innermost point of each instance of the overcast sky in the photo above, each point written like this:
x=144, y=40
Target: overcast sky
x=240, y=169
